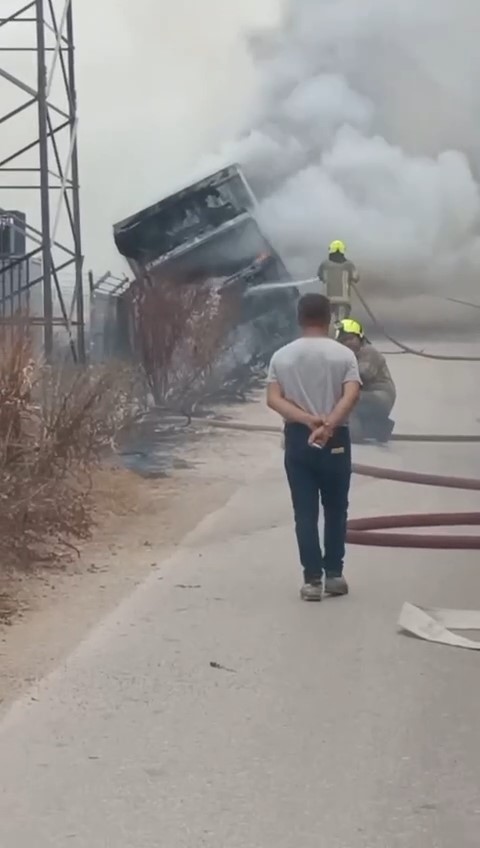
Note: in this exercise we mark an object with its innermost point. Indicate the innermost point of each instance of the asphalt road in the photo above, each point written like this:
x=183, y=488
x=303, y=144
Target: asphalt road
x=316, y=726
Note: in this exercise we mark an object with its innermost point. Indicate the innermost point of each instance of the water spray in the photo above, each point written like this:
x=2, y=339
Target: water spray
x=281, y=284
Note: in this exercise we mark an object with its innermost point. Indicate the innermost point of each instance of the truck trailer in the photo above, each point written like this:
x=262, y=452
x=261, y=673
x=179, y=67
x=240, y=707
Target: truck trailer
x=206, y=232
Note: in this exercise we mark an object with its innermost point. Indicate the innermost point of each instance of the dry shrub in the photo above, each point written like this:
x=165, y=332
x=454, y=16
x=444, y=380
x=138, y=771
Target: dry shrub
x=182, y=333
x=54, y=425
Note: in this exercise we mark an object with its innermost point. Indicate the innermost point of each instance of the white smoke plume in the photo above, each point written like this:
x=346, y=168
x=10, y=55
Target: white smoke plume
x=366, y=131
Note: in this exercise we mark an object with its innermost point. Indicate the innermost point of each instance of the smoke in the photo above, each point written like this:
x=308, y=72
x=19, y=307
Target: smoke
x=365, y=130
x=160, y=85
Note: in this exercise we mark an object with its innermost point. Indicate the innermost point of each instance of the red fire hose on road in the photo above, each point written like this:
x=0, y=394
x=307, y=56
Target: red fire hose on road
x=365, y=531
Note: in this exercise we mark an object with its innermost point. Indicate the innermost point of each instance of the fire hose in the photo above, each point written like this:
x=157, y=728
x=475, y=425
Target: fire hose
x=405, y=348
x=364, y=531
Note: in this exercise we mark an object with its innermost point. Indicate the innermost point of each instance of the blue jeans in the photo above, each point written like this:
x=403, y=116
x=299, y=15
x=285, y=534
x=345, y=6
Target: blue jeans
x=315, y=475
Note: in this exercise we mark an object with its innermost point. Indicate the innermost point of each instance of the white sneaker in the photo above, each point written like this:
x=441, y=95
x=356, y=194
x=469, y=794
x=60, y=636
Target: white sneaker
x=336, y=586
x=311, y=592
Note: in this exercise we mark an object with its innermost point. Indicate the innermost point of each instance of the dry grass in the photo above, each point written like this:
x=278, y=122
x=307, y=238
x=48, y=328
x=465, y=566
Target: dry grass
x=55, y=425
x=181, y=334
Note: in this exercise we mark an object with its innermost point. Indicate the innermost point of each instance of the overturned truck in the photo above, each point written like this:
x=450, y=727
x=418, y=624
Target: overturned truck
x=208, y=233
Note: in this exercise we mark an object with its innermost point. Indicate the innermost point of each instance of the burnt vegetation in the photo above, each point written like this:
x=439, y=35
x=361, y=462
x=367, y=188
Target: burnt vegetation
x=184, y=339
x=56, y=423
x=59, y=422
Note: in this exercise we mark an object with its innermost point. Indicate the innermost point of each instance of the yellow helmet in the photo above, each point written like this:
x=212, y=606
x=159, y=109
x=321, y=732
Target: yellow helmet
x=349, y=327
x=337, y=247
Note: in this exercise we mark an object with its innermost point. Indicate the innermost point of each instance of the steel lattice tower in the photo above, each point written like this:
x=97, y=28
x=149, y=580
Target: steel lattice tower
x=37, y=38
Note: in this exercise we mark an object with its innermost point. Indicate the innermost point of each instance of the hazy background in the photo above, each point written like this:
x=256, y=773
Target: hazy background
x=367, y=131
x=162, y=83
x=354, y=119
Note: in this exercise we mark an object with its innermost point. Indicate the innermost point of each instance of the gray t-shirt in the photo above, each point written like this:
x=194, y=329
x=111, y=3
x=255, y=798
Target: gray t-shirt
x=311, y=373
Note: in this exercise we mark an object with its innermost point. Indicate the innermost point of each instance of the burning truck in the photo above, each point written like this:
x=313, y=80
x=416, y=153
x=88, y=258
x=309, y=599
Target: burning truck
x=207, y=233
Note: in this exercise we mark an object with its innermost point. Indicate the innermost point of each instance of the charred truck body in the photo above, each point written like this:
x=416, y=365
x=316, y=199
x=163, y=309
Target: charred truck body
x=208, y=232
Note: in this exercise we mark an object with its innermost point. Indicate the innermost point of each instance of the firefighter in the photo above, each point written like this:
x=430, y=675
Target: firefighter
x=371, y=417
x=338, y=274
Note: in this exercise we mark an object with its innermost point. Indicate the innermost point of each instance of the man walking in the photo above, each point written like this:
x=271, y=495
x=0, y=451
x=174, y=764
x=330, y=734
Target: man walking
x=314, y=384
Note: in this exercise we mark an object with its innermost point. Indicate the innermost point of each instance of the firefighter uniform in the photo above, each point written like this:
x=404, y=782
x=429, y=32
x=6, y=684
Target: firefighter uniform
x=371, y=417
x=338, y=274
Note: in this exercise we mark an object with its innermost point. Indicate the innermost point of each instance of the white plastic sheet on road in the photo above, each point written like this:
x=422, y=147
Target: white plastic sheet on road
x=436, y=625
